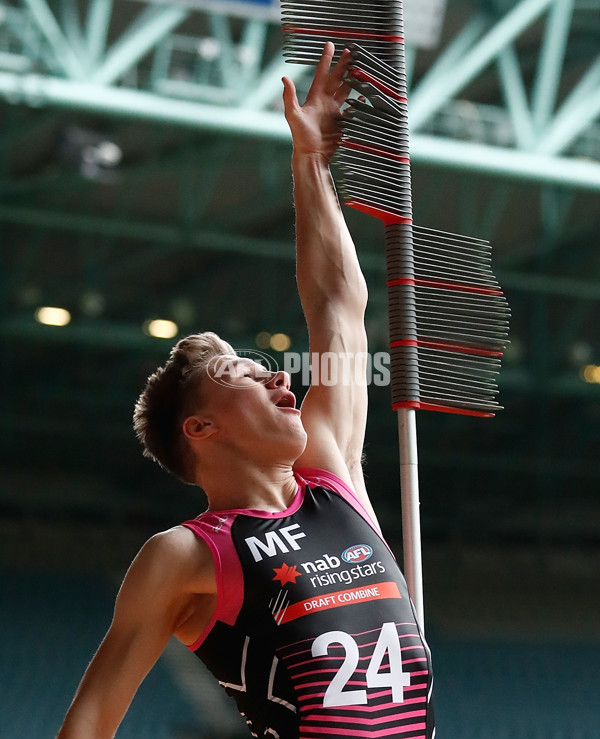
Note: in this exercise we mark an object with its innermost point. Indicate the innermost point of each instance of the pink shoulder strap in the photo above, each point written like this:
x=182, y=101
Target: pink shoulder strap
x=215, y=530
x=314, y=476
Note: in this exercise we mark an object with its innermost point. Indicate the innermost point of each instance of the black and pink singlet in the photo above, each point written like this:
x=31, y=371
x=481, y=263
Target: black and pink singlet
x=314, y=633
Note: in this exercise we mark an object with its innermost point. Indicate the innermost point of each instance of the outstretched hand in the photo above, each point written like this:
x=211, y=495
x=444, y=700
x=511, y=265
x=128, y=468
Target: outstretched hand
x=316, y=125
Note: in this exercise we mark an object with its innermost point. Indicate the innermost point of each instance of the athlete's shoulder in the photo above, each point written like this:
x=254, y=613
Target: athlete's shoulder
x=178, y=555
x=176, y=542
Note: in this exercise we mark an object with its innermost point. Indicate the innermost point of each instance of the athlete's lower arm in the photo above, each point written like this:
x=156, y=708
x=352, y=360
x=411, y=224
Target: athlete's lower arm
x=328, y=270
x=108, y=687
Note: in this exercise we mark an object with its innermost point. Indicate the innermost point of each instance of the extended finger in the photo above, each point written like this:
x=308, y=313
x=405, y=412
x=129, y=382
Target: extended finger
x=323, y=67
x=337, y=74
x=290, y=98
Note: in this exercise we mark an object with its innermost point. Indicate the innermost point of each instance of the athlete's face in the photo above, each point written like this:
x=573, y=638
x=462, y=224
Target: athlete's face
x=254, y=410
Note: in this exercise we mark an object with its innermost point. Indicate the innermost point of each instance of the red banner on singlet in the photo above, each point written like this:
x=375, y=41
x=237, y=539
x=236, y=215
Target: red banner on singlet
x=336, y=600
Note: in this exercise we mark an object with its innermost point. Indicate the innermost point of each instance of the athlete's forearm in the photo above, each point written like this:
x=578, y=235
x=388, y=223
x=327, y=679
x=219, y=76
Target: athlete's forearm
x=104, y=693
x=84, y=722
x=328, y=270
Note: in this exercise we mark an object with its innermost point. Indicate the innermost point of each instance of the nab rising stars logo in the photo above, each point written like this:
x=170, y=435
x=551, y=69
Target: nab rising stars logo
x=286, y=573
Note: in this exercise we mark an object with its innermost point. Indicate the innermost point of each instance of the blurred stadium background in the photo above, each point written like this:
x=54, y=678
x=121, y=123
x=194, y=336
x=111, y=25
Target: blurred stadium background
x=144, y=171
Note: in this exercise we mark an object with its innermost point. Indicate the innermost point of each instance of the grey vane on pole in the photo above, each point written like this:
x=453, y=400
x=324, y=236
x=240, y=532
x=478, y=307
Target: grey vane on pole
x=448, y=317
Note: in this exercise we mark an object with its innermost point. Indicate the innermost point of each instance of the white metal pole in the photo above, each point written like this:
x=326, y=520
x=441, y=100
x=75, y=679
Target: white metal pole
x=411, y=519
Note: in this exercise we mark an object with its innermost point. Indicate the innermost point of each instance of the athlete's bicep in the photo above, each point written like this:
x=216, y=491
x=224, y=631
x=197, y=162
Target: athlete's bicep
x=148, y=608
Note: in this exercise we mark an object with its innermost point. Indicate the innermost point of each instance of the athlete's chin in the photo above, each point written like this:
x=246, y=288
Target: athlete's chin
x=290, y=421
x=292, y=443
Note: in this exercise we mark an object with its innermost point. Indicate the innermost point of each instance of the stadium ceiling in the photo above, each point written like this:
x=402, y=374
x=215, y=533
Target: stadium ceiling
x=144, y=173
x=171, y=64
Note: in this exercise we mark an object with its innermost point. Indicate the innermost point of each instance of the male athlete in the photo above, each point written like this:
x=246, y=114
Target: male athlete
x=284, y=586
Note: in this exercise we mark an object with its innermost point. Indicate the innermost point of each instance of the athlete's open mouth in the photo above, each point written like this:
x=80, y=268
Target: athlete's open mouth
x=287, y=400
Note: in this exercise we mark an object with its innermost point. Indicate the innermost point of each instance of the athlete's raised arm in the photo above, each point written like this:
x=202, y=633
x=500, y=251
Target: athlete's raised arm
x=330, y=282
x=170, y=581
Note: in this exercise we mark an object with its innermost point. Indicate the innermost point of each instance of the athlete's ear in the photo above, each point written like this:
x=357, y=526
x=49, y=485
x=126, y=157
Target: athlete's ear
x=197, y=428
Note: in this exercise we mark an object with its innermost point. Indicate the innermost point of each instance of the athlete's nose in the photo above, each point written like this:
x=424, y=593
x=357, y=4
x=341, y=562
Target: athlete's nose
x=280, y=379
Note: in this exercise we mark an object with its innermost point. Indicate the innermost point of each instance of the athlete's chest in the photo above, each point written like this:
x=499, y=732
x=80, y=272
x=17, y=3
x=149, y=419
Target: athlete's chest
x=323, y=557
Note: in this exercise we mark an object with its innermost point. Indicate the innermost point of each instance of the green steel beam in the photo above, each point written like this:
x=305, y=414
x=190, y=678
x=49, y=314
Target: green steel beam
x=578, y=111
x=15, y=62
x=410, y=60
x=586, y=85
x=37, y=90
x=168, y=235
x=494, y=160
x=152, y=25
x=229, y=70
x=442, y=83
x=192, y=91
x=50, y=29
x=174, y=237
x=452, y=54
x=24, y=29
x=269, y=86
x=551, y=62
x=252, y=47
x=516, y=97
x=97, y=24
x=71, y=26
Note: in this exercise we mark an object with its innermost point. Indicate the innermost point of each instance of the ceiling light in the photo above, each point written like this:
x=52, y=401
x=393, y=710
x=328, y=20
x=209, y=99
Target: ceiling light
x=280, y=342
x=161, y=329
x=263, y=340
x=591, y=373
x=52, y=316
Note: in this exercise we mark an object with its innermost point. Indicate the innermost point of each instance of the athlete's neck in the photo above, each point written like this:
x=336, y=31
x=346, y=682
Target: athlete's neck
x=270, y=489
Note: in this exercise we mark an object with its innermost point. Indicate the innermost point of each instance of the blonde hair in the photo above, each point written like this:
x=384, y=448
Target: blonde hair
x=171, y=394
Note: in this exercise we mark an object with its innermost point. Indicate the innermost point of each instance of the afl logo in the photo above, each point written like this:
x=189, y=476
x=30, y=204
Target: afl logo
x=357, y=553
